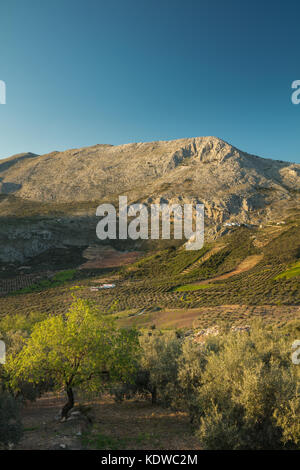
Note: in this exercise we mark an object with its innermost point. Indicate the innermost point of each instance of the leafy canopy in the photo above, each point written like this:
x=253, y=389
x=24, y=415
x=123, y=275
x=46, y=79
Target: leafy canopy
x=74, y=350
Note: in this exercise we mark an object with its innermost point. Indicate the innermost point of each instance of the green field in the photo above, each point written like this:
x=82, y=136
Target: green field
x=289, y=273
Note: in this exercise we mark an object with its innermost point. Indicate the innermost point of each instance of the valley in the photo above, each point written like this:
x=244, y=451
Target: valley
x=51, y=263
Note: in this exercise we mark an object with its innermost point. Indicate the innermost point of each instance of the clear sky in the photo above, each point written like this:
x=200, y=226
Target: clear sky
x=80, y=73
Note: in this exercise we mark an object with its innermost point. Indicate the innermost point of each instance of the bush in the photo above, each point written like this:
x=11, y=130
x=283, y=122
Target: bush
x=191, y=365
x=10, y=424
x=15, y=331
x=159, y=362
x=139, y=385
x=241, y=389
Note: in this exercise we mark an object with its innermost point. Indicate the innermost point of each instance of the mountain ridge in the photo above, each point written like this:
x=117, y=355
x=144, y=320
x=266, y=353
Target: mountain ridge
x=234, y=186
x=32, y=177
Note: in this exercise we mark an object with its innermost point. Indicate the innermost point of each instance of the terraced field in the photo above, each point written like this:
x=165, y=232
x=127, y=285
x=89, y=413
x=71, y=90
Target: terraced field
x=20, y=282
x=237, y=272
x=202, y=259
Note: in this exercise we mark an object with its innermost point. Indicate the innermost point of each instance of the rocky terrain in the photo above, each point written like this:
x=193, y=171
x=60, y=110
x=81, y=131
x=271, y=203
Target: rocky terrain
x=50, y=200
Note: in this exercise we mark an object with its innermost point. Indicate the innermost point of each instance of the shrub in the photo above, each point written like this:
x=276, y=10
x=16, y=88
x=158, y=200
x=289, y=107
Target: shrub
x=191, y=365
x=10, y=423
x=241, y=389
x=159, y=360
x=139, y=385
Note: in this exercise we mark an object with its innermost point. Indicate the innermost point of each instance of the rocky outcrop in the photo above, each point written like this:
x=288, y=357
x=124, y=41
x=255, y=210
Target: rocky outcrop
x=233, y=185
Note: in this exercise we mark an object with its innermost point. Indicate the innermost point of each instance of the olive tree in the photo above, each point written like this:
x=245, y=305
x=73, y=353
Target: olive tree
x=159, y=355
x=243, y=391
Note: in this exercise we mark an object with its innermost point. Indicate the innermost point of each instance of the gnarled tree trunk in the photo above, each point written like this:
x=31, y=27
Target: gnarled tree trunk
x=70, y=403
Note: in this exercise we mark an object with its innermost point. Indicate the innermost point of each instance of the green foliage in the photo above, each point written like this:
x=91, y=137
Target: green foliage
x=167, y=262
x=156, y=371
x=242, y=390
x=285, y=248
x=57, y=280
x=293, y=271
x=15, y=330
x=65, y=275
x=159, y=358
x=17, y=322
x=75, y=350
x=213, y=265
x=191, y=364
x=139, y=385
x=292, y=329
x=189, y=287
x=287, y=417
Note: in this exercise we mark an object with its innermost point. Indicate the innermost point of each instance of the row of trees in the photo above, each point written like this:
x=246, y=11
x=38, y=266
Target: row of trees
x=240, y=389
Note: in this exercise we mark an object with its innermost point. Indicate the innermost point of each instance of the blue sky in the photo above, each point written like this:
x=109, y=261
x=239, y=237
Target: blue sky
x=80, y=73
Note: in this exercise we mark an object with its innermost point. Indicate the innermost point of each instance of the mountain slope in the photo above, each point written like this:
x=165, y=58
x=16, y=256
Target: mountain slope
x=233, y=185
x=92, y=173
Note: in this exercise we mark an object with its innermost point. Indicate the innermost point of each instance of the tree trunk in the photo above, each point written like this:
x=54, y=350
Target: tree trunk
x=154, y=396
x=69, y=405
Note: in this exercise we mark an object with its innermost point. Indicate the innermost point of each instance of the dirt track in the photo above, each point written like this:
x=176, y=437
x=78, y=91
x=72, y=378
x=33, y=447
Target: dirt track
x=247, y=264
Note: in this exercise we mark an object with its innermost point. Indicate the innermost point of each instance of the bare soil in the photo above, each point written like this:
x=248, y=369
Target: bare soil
x=133, y=424
x=212, y=315
x=99, y=258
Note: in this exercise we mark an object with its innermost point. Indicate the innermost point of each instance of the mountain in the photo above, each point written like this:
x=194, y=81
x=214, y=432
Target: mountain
x=42, y=196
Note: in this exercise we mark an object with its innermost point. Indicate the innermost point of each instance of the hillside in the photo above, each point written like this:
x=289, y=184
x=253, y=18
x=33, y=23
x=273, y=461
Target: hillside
x=248, y=269
x=49, y=201
x=248, y=272
x=204, y=167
